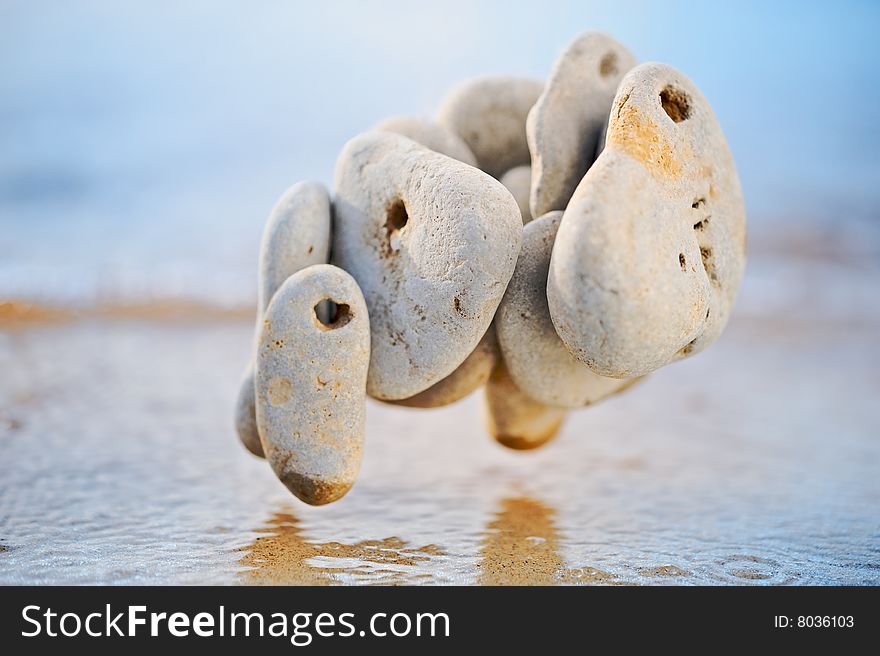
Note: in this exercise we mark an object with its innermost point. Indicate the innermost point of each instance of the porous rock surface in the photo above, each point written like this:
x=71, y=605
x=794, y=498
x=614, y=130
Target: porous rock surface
x=432, y=242
x=310, y=380
x=651, y=248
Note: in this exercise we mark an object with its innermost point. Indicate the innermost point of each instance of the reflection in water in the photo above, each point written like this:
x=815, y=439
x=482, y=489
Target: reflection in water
x=521, y=547
x=284, y=557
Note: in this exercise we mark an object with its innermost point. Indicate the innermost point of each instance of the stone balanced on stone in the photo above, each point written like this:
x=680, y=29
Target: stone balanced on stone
x=553, y=243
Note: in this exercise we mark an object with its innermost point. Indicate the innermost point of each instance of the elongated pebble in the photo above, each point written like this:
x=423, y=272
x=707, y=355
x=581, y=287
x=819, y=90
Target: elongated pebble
x=651, y=248
x=513, y=418
x=310, y=383
x=430, y=135
x=518, y=181
x=489, y=113
x=537, y=360
x=296, y=235
x=565, y=124
x=468, y=377
x=432, y=242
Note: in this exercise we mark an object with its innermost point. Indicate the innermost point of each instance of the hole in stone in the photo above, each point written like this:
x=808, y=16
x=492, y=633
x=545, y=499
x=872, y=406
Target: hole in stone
x=676, y=104
x=332, y=315
x=682, y=262
x=324, y=310
x=396, y=216
x=700, y=225
x=688, y=348
x=697, y=204
x=709, y=263
x=608, y=64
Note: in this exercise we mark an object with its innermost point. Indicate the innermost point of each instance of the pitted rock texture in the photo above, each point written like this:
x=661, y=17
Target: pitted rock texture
x=651, y=248
x=432, y=242
x=565, y=125
x=310, y=383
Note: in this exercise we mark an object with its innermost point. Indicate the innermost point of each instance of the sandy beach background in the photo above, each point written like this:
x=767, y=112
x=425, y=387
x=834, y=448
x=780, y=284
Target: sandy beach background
x=139, y=157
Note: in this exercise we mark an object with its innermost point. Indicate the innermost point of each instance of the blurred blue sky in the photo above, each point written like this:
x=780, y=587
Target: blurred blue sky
x=141, y=135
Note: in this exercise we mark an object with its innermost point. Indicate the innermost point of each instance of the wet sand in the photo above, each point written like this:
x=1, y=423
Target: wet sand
x=754, y=463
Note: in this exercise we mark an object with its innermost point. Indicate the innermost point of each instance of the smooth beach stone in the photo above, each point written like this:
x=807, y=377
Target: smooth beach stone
x=513, y=418
x=652, y=245
x=518, y=181
x=430, y=135
x=432, y=242
x=537, y=360
x=296, y=235
x=469, y=376
x=246, y=413
x=489, y=113
x=566, y=122
x=310, y=383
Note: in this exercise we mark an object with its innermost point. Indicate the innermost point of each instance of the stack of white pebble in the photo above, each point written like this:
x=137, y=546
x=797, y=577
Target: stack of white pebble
x=552, y=241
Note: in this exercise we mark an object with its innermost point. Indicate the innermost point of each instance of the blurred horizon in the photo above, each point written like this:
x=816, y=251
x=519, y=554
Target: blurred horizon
x=143, y=144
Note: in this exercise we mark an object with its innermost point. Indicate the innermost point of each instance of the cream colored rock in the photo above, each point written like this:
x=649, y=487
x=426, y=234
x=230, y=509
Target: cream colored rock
x=489, y=113
x=432, y=242
x=651, y=248
x=296, y=235
x=537, y=360
x=518, y=181
x=566, y=122
x=430, y=135
x=514, y=419
x=469, y=376
x=310, y=383
x=246, y=413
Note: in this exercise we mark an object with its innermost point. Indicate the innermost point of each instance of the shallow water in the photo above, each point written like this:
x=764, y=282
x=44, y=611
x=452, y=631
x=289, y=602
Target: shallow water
x=755, y=462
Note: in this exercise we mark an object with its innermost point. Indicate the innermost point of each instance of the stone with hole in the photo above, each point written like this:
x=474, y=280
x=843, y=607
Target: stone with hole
x=652, y=245
x=296, y=235
x=515, y=419
x=469, y=376
x=310, y=383
x=430, y=135
x=489, y=113
x=518, y=181
x=537, y=360
x=432, y=242
x=565, y=125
